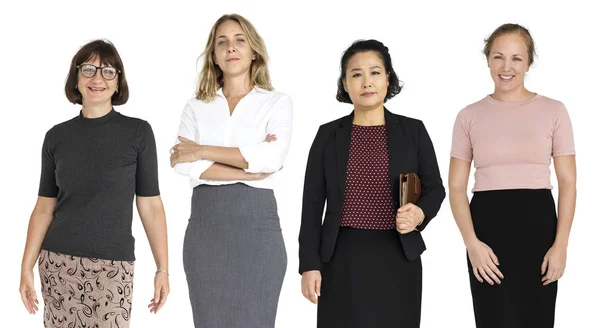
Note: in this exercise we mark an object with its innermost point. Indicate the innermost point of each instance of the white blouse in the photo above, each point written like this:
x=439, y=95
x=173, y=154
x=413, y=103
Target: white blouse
x=259, y=113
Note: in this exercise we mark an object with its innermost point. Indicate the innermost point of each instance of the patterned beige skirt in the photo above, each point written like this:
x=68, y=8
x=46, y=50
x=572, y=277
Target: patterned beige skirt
x=85, y=292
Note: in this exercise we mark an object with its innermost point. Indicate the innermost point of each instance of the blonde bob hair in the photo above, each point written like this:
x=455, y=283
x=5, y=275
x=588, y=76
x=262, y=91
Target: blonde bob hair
x=210, y=78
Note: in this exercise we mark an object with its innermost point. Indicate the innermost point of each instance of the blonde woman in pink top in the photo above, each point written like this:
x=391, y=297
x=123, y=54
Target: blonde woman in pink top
x=516, y=242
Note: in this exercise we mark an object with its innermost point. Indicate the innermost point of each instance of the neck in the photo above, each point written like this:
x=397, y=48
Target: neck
x=369, y=116
x=237, y=86
x=518, y=95
x=96, y=110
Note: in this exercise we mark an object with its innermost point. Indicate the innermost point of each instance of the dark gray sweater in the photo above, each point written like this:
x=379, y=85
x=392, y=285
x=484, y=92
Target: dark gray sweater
x=94, y=167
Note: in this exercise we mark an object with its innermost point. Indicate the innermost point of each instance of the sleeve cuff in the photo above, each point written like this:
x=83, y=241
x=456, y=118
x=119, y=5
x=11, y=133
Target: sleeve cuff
x=248, y=155
x=198, y=168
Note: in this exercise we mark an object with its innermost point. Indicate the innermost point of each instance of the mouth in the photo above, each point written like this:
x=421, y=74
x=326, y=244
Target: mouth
x=96, y=89
x=367, y=94
x=506, y=78
x=232, y=59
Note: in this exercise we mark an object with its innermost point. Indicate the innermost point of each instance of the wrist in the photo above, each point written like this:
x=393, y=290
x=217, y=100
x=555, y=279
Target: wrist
x=161, y=271
x=560, y=244
x=471, y=240
x=200, y=153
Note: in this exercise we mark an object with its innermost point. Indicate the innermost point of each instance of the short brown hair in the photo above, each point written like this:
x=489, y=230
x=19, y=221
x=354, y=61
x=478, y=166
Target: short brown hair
x=210, y=78
x=108, y=55
x=511, y=29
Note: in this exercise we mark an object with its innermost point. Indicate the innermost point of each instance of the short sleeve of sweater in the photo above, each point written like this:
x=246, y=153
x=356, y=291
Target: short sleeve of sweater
x=562, y=134
x=48, y=187
x=461, y=138
x=146, y=177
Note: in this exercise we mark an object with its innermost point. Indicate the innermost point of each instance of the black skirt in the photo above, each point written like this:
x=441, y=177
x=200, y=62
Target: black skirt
x=520, y=226
x=370, y=283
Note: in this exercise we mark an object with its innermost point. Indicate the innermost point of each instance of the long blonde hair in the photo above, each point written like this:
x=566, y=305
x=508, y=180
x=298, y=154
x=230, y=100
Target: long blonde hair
x=210, y=78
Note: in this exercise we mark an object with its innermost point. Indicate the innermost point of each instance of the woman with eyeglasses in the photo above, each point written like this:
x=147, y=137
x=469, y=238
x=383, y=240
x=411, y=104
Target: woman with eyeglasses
x=233, y=136
x=80, y=228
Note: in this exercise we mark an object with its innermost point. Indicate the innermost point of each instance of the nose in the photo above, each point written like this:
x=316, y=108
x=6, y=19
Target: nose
x=230, y=48
x=97, y=78
x=367, y=82
x=506, y=64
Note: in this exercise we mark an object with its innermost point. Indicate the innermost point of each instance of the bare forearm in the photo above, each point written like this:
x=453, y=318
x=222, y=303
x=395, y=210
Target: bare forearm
x=226, y=155
x=154, y=222
x=222, y=172
x=566, y=212
x=459, y=203
x=36, y=232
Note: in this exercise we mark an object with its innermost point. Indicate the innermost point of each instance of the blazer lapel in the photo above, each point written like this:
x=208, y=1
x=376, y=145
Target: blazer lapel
x=393, y=129
x=342, y=149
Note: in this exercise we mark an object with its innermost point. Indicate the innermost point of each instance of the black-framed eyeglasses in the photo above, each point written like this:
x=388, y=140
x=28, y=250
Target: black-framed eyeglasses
x=107, y=72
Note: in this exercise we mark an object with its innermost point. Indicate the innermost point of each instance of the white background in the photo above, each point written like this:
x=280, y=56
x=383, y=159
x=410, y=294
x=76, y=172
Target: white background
x=436, y=50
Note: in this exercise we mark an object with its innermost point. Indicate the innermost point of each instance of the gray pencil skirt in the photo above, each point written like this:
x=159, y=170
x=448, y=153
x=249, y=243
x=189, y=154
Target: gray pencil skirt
x=234, y=257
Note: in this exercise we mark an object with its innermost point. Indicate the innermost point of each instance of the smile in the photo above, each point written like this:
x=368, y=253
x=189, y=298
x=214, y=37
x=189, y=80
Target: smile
x=506, y=78
x=96, y=90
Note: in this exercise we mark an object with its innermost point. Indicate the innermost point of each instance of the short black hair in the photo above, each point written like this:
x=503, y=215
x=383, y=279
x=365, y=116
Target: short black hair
x=108, y=55
x=363, y=46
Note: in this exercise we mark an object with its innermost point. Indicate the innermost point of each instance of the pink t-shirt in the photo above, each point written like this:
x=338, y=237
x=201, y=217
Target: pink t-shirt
x=511, y=144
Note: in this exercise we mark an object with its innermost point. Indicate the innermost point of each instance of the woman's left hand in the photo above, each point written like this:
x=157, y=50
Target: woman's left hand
x=408, y=217
x=185, y=151
x=554, y=264
x=161, y=290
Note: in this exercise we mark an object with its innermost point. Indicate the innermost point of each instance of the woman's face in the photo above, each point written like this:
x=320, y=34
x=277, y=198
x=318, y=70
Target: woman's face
x=95, y=90
x=366, y=80
x=232, y=52
x=508, y=62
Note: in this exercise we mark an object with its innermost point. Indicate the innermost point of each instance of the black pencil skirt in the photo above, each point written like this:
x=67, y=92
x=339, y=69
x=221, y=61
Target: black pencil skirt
x=520, y=226
x=370, y=283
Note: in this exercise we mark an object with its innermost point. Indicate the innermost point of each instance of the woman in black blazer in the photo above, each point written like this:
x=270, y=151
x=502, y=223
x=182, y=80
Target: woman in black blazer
x=363, y=260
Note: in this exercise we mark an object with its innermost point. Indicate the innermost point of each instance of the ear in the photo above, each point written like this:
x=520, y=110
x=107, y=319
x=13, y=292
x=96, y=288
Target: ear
x=387, y=82
x=254, y=56
x=344, y=84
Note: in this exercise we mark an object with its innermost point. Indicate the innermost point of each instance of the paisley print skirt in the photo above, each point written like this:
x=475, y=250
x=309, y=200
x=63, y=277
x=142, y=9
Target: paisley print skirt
x=85, y=292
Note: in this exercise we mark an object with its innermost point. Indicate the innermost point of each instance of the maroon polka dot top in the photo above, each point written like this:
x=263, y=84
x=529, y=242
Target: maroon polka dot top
x=368, y=200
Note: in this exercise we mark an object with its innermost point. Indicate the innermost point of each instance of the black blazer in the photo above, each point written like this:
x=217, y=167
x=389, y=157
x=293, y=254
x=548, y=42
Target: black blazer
x=410, y=150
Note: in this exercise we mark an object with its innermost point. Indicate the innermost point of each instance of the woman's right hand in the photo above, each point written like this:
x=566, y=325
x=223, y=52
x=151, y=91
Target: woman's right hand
x=484, y=262
x=28, y=295
x=311, y=285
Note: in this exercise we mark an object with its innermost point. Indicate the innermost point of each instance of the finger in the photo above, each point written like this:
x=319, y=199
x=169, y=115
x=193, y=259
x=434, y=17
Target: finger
x=476, y=274
x=494, y=258
x=163, y=300
x=312, y=292
x=490, y=273
x=25, y=300
x=183, y=139
x=305, y=293
x=33, y=298
x=318, y=287
x=492, y=264
x=544, y=265
x=485, y=276
x=405, y=208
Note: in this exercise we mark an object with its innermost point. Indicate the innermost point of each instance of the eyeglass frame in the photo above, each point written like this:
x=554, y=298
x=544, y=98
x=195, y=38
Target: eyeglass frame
x=96, y=71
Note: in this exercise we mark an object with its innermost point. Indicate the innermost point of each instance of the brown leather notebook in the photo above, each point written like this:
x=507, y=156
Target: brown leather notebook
x=410, y=188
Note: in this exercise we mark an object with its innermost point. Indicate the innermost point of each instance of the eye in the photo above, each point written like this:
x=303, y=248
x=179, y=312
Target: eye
x=497, y=57
x=356, y=75
x=375, y=73
x=517, y=59
x=220, y=43
x=240, y=40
